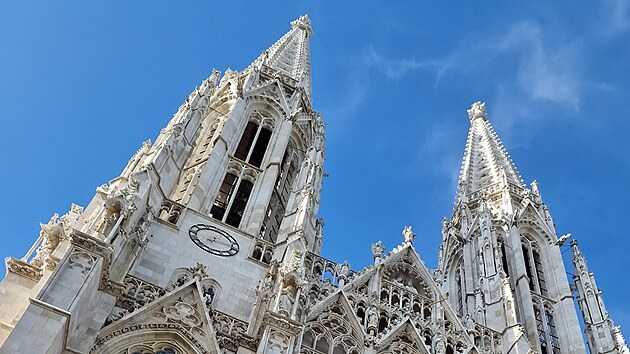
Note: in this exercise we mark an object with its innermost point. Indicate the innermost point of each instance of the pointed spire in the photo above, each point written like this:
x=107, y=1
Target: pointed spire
x=602, y=335
x=486, y=163
x=290, y=55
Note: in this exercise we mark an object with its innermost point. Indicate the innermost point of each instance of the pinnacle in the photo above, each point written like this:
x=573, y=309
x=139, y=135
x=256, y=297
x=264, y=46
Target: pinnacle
x=486, y=164
x=290, y=55
x=304, y=23
x=477, y=110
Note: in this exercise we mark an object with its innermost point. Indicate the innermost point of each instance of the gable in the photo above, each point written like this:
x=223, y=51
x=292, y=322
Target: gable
x=179, y=317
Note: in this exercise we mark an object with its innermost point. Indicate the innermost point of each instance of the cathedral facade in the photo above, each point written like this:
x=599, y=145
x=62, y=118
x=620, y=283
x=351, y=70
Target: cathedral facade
x=209, y=241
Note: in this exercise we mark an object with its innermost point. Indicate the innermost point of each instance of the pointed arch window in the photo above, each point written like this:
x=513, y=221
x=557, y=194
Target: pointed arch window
x=546, y=328
x=504, y=257
x=460, y=287
x=534, y=267
x=255, y=139
x=278, y=202
x=233, y=195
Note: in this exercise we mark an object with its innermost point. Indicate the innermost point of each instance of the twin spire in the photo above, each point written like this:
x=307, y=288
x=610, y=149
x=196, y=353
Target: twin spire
x=486, y=165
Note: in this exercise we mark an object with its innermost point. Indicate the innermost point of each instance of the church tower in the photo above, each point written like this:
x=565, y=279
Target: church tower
x=209, y=242
x=601, y=333
x=167, y=257
x=500, y=253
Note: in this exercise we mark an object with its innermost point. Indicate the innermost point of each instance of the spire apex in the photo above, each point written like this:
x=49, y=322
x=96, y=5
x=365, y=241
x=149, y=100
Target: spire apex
x=304, y=23
x=477, y=110
x=486, y=163
x=289, y=56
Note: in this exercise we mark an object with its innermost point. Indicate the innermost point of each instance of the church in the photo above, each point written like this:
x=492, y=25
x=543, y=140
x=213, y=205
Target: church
x=209, y=242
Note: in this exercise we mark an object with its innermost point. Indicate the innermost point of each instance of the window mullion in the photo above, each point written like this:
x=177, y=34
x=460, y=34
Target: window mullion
x=232, y=196
x=251, y=148
x=533, y=266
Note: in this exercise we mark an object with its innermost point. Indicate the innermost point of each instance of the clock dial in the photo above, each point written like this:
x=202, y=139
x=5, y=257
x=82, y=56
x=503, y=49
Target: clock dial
x=213, y=240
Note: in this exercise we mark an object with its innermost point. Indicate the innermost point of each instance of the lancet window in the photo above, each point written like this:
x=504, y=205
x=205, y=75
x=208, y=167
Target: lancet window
x=504, y=256
x=534, y=266
x=236, y=188
x=255, y=139
x=460, y=288
x=546, y=328
x=233, y=194
x=280, y=196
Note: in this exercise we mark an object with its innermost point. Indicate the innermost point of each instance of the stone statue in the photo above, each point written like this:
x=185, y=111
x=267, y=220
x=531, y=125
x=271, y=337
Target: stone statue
x=343, y=270
x=408, y=236
x=377, y=250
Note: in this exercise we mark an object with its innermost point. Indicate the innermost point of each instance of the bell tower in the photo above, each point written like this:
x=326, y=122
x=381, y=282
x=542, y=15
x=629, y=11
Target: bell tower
x=168, y=256
x=500, y=252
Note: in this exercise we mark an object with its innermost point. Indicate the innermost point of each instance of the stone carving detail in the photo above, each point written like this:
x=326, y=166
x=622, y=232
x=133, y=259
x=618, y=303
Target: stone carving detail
x=183, y=313
x=231, y=332
x=408, y=236
x=138, y=293
x=170, y=211
x=263, y=251
x=50, y=235
x=377, y=250
x=477, y=110
x=157, y=348
x=81, y=261
x=24, y=269
x=332, y=328
x=278, y=343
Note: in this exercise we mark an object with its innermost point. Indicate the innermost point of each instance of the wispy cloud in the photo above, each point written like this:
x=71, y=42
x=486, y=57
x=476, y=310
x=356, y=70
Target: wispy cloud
x=440, y=153
x=616, y=19
x=395, y=68
x=546, y=69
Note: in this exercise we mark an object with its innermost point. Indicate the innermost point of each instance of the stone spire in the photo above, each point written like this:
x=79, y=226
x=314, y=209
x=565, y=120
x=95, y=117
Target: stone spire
x=602, y=335
x=290, y=55
x=486, y=163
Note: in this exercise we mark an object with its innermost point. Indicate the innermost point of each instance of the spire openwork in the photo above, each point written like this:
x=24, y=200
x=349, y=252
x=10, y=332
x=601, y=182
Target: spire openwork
x=486, y=164
x=290, y=54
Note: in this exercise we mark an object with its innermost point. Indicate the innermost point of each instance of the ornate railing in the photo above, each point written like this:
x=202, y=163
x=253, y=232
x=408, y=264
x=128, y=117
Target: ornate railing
x=326, y=271
x=228, y=325
x=232, y=332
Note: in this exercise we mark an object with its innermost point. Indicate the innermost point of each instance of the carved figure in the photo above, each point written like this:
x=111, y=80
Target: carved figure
x=408, y=235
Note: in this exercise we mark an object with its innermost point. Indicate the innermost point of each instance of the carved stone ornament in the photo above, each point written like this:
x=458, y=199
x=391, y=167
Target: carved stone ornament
x=408, y=236
x=24, y=269
x=378, y=249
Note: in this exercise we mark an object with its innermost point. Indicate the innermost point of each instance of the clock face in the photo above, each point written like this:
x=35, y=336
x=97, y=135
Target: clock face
x=213, y=240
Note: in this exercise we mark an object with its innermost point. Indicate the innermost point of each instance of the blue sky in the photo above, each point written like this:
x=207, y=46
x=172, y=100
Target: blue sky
x=82, y=84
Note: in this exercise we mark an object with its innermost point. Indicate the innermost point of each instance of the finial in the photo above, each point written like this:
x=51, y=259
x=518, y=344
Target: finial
x=408, y=236
x=574, y=246
x=377, y=250
x=304, y=23
x=535, y=188
x=477, y=110
x=199, y=271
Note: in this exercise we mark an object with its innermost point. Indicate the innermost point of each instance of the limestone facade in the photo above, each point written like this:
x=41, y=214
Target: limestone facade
x=209, y=242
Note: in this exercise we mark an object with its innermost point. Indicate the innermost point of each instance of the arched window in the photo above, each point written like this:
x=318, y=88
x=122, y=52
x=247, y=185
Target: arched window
x=233, y=196
x=460, y=287
x=237, y=185
x=280, y=196
x=546, y=328
x=534, y=266
x=504, y=257
x=255, y=139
